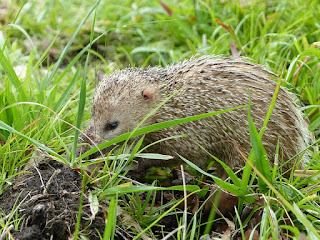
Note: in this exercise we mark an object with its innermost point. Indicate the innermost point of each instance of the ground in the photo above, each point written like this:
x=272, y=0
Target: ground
x=47, y=197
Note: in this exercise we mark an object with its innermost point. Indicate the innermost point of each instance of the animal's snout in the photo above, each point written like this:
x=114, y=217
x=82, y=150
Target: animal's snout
x=86, y=142
x=81, y=150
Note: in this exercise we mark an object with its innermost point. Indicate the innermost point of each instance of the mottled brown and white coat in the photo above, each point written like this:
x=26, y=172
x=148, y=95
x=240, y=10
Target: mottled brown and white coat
x=122, y=99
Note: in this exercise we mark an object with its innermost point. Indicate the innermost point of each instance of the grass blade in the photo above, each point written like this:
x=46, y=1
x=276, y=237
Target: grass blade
x=229, y=171
x=35, y=142
x=247, y=169
x=66, y=93
x=261, y=159
x=153, y=128
x=82, y=98
x=111, y=219
x=141, y=188
x=239, y=191
x=47, y=81
x=11, y=74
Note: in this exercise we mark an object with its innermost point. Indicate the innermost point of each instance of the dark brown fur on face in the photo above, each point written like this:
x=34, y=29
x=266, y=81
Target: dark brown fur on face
x=123, y=99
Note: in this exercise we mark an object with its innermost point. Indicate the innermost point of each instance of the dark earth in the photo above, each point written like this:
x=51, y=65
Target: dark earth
x=47, y=197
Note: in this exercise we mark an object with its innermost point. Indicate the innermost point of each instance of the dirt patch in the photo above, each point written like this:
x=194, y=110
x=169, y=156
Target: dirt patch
x=47, y=199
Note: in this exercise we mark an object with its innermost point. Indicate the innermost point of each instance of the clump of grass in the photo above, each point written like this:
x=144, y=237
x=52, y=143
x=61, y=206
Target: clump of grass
x=59, y=48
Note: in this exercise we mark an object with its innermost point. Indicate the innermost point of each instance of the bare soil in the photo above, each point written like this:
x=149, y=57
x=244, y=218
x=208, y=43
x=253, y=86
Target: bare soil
x=47, y=197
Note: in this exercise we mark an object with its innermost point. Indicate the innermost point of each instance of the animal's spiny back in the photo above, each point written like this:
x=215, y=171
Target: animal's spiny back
x=216, y=84
x=205, y=84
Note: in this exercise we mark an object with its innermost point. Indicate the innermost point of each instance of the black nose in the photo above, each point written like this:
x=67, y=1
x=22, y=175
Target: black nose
x=89, y=141
x=87, y=138
x=82, y=149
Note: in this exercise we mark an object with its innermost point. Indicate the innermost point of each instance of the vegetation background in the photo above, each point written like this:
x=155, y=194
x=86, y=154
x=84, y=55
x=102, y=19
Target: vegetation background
x=51, y=50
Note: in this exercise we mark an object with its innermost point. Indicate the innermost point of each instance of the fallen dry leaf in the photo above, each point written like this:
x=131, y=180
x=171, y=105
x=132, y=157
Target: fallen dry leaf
x=254, y=233
x=227, y=201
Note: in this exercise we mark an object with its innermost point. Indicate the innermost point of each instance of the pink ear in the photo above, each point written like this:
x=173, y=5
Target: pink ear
x=149, y=93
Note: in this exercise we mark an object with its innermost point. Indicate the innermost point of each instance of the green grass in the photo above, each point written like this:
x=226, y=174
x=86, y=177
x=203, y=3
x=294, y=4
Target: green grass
x=60, y=45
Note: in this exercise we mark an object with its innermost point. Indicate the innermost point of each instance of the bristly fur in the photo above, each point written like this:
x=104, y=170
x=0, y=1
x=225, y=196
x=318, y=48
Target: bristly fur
x=209, y=84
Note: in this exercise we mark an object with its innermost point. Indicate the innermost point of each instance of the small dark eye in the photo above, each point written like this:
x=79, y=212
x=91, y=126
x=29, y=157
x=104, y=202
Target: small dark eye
x=111, y=126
